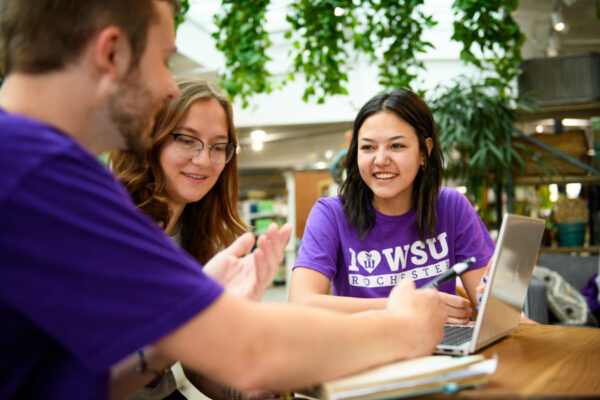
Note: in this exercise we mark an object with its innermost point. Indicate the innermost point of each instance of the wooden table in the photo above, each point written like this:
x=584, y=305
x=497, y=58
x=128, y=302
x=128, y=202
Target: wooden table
x=541, y=361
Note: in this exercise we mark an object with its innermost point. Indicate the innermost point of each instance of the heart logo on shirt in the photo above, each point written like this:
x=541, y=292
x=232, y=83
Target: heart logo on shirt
x=369, y=260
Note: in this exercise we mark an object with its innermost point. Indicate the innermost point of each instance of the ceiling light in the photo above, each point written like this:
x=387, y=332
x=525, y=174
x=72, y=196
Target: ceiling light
x=558, y=21
x=539, y=129
x=257, y=145
x=258, y=135
x=328, y=154
x=321, y=165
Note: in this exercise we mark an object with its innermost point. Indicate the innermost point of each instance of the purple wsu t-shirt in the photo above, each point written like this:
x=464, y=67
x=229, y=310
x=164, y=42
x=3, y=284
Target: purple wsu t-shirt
x=85, y=278
x=392, y=250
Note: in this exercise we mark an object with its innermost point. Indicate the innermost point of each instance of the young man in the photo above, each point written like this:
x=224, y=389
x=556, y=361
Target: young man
x=87, y=280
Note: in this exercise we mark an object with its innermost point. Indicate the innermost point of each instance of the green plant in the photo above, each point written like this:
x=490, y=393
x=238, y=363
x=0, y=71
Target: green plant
x=398, y=25
x=389, y=32
x=180, y=17
x=321, y=42
x=319, y=48
x=491, y=38
x=476, y=116
x=243, y=40
x=475, y=122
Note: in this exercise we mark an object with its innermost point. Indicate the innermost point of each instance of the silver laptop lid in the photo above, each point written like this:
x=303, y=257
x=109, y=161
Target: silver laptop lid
x=511, y=269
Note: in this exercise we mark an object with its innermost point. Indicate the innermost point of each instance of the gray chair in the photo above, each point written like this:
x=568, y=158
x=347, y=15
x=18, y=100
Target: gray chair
x=576, y=270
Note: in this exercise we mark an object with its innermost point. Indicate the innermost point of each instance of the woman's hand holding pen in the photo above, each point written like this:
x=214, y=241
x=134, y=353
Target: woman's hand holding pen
x=458, y=308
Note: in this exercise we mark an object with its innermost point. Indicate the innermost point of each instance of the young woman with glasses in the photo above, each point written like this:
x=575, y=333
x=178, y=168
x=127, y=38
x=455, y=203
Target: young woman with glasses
x=187, y=181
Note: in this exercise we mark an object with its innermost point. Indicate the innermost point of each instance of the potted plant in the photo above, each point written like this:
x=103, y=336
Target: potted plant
x=475, y=124
x=571, y=216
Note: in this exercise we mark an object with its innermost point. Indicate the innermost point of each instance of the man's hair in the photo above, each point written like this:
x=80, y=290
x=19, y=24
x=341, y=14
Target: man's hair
x=38, y=36
x=208, y=225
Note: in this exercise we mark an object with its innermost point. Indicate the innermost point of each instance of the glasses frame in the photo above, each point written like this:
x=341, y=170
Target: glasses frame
x=202, y=145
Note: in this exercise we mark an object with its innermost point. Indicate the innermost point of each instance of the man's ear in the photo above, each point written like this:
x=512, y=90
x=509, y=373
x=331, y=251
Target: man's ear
x=112, y=54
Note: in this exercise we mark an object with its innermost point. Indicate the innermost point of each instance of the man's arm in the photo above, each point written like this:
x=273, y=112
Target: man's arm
x=250, y=345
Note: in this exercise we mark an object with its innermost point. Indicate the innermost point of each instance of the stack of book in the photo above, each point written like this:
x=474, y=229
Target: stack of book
x=414, y=377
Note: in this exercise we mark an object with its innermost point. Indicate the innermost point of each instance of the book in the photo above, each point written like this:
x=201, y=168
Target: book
x=413, y=377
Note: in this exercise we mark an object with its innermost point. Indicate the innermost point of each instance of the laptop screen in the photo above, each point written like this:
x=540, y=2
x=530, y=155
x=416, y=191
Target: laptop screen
x=511, y=269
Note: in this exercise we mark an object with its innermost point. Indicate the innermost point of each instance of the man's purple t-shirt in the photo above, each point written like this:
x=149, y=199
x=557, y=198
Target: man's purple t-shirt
x=392, y=250
x=85, y=278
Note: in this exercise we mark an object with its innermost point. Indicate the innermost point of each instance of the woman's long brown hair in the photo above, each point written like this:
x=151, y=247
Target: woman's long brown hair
x=213, y=222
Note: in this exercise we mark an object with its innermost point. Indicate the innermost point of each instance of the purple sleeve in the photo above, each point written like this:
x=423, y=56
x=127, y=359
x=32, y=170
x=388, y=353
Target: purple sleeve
x=89, y=269
x=472, y=238
x=320, y=242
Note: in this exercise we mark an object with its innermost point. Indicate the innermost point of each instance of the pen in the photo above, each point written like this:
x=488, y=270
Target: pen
x=456, y=270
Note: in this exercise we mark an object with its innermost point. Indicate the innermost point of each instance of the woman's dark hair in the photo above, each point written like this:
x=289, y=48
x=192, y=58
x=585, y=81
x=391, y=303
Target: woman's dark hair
x=357, y=197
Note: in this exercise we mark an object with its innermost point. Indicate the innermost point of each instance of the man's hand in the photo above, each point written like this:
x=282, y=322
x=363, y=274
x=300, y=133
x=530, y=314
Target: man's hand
x=249, y=275
x=426, y=311
x=458, y=309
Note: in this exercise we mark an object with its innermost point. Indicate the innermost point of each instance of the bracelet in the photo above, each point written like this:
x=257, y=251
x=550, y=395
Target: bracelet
x=142, y=367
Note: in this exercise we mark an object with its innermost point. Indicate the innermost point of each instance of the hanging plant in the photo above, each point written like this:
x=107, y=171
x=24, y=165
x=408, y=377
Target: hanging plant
x=243, y=40
x=396, y=27
x=184, y=6
x=491, y=38
x=321, y=31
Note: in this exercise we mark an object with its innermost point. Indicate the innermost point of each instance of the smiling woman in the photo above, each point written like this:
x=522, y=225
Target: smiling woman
x=391, y=221
x=190, y=167
x=187, y=180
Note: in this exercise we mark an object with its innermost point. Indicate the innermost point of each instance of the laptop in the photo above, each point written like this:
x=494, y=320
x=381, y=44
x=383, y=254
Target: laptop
x=502, y=301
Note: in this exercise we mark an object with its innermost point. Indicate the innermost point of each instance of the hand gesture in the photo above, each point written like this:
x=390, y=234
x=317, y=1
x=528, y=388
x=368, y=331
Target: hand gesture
x=249, y=275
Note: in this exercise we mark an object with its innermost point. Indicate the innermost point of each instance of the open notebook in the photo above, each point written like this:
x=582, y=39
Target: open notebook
x=502, y=301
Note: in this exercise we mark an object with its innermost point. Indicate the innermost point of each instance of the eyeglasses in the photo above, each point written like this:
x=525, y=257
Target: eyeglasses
x=189, y=147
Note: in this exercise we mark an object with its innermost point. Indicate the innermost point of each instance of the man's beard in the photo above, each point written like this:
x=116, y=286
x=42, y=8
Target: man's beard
x=131, y=110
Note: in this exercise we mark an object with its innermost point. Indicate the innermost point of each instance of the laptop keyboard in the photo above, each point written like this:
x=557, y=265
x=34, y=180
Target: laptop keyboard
x=455, y=335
